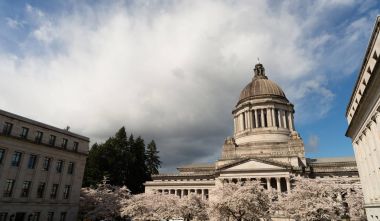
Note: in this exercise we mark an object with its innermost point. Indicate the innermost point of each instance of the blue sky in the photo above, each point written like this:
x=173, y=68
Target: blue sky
x=173, y=70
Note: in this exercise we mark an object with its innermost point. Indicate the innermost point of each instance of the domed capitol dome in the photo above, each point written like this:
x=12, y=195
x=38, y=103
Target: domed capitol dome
x=261, y=86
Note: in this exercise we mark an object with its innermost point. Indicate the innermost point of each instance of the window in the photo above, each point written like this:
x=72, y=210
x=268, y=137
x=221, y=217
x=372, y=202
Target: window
x=63, y=216
x=34, y=216
x=64, y=143
x=9, y=188
x=24, y=132
x=265, y=118
x=25, y=189
x=7, y=129
x=75, y=147
x=70, y=169
x=32, y=161
x=253, y=120
x=46, y=164
x=16, y=159
x=286, y=119
x=39, y=136
x=2, y=154
x=259, y=118
x=52, y=140
x=59, y=166
x=3, y=216
x=54, y=191
x=276, y=118
x=66, y=192
x=50, y=216
x=41, y=190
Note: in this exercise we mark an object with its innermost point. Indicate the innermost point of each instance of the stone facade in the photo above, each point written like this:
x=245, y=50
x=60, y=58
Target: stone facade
x=265, y=146
x=41, y=170
x=363, y=116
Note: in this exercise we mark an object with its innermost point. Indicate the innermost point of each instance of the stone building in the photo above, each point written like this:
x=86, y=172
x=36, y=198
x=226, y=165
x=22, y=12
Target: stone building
x=41, y=170
x=363, y=116
x=265, y=146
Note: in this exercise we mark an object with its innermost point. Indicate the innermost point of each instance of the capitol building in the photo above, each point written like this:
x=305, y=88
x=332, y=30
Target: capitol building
x=265, y=146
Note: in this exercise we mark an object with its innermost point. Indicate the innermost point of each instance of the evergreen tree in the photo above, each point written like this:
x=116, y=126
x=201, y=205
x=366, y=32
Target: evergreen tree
x=122, y=159
x=152, y=159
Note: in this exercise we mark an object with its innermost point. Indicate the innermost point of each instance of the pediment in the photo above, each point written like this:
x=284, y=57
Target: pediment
x=253, y=164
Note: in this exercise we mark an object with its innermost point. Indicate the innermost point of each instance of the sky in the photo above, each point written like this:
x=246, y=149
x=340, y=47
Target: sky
x=172, y=71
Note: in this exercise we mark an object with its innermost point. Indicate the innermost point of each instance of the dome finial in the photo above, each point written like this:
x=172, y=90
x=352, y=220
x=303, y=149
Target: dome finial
x=259, y=70
x=258, y=60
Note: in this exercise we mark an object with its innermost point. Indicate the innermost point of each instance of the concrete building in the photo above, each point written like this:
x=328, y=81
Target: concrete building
x=265, y=146
x=41, y=170
x=363, y=116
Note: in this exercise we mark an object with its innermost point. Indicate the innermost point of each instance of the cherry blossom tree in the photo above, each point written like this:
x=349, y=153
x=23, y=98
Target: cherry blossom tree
x=103, y=202
x=327, y=199
x=193, y=207
x=241, y=201
x=149, y=206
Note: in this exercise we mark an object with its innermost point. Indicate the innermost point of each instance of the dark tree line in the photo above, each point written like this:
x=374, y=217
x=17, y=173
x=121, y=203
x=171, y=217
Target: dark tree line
x=124, y=160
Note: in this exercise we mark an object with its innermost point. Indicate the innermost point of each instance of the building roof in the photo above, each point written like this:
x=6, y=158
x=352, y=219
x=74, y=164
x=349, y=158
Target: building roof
x=42, y=125
x=198, y=165
x=261, y=86
x=331, y=160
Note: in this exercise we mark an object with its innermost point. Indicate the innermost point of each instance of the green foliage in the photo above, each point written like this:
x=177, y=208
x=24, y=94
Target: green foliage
x=124, y=160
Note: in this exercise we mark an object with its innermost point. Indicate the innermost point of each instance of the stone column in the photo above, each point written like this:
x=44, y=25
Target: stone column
x=278, y=184
x=268, y=184
x=366, y=150
x=287, y=184
x=235, y=128
x=256, y=121
x=249, y=120
x=279, y=118
x=274, y=117
x=203, y=194
x=290, y=120
x=375, y=164
x=361, y=170
x=269, y=116
x=262, y=117
x=284, y=119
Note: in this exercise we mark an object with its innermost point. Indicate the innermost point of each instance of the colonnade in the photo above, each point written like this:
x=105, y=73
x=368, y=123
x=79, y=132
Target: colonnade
x=263, y=117
x=367, y=153
x=184, y=192
x=281, y=184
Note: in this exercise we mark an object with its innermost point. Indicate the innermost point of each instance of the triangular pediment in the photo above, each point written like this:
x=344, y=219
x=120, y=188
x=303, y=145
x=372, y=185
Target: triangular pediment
x=253, y=164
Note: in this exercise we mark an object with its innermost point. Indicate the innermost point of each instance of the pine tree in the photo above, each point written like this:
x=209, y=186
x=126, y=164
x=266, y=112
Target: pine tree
x=152, y=159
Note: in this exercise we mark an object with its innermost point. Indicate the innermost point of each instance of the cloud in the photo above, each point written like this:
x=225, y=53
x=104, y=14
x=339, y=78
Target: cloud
x=312, y=144
x=169, y=71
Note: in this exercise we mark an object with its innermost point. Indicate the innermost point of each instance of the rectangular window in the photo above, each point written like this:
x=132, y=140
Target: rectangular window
x=16, y=159
x=59, y=166
x=39, y=136
x=3, y=216
x=265, y=118
x=2, y=155
x=70, y=169
x=52, y=140
x=50, y=216
x=75, y=147
x=66, y=192
x=286, y=119
x=62, y=217
x=64, y=143
x=32, y=161
x=54, y=191
x=7, y=129
x=41, y=190
x=276, y=118
x=9, y=188
x=46, y=164
x=34, y=216
x=253, y=120
x=259, y=118
x=25, y=188
x=24, y=132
